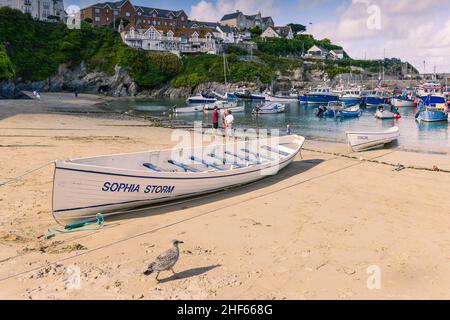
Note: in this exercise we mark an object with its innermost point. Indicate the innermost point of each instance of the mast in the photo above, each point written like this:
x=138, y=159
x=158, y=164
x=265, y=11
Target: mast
x=225, y=70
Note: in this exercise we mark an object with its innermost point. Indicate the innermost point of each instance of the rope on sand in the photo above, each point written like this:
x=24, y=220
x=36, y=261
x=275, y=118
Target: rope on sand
x=26, y=173
x=397, y=167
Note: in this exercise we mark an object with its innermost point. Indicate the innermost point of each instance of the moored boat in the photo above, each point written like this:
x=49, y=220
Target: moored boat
x=350, y=112
x=272, y=107
x=330, y=110
x=200, y=99
x=403, y=101
x=220, y=105
x=432, y=108
x=351, y=97
x=320, y=95
x=114, y=183
x=191, y=109
x=292, y=97
x=387, y=111
x=376, y=98
x=361, y=141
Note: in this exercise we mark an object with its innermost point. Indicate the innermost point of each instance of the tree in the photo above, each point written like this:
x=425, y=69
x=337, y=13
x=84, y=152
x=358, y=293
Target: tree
x=297, y=28
x=88, y=20
x=256, y=32
x=6, y=66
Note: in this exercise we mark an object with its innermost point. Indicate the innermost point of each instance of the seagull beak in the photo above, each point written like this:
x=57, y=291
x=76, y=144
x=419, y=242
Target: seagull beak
x=180, y=242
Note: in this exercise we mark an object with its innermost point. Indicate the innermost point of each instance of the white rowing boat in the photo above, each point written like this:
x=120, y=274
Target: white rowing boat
x=107, y=184
x=362, y=141
x=193, y=109
x=220, y=105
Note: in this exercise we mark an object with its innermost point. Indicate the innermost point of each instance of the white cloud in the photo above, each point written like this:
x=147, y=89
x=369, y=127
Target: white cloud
x=411, y=30
x=208, y=10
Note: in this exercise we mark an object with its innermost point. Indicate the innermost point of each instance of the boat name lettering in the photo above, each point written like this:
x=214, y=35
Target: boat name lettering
x=126, y=187
x=363, y=137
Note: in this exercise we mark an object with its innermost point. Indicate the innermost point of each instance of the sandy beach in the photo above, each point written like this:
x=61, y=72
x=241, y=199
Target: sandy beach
x=310, y=232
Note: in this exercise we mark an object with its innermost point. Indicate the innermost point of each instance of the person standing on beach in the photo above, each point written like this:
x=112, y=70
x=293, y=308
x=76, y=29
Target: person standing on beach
x=229, y=121
x=215, y=119
x=76, y=93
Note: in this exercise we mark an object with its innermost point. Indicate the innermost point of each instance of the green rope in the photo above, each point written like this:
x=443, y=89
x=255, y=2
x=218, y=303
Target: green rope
x=78, y=227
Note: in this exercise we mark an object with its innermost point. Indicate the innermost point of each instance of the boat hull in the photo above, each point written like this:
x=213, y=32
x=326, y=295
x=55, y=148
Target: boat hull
x=398, y=102
x=375, y=101
x=318, y=99
x=84, y=187
x=289, y=99
x=351, y=101
x=432, y=116
x=363, y=141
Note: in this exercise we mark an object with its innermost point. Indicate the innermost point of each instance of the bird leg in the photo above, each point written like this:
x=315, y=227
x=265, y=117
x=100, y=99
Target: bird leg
x=157, y=277
x=176, y=276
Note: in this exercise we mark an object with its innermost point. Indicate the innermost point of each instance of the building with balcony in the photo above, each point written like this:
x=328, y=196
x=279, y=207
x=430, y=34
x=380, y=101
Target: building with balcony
x=45, y=10
x=174, y=39
x=139, y=17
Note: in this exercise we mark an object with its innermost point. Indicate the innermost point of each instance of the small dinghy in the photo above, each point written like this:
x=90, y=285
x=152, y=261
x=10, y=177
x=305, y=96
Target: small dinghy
x=192, y=109
x=361, y=141
x=330, y=110
x=110, y=184
x=387, y=111
x=220, y=105
x=269, y=108
x=350, y=112
x=199, y=99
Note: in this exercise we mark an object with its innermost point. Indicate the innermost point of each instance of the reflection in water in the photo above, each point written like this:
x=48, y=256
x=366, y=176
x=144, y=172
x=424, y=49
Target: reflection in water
x=302, y=120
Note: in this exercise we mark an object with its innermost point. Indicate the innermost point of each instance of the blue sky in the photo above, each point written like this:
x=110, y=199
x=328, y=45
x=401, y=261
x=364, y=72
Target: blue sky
x=365, y=28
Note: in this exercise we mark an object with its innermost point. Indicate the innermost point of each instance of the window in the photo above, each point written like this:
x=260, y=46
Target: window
x=139, y=13
x=46, y=5
x=116, y=13
x=127, y=14
x=97, y=10
x=97, y=19
x=182, y=18
x=170, y=35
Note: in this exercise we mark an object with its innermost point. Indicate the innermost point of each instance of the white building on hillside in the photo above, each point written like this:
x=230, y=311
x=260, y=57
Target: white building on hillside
x=39, y=9
x=172, y=39
x=278, y=32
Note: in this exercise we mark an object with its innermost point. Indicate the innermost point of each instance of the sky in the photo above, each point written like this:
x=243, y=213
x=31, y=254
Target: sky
x=412, y=30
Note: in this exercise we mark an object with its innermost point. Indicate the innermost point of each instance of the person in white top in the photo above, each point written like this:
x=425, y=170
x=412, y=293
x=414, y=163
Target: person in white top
x=229, y=120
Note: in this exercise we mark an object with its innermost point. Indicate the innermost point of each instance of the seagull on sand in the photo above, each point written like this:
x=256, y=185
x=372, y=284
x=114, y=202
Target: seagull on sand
x=165, y=261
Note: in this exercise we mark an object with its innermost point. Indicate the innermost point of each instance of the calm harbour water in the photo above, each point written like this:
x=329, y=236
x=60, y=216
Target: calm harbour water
x=414, y=135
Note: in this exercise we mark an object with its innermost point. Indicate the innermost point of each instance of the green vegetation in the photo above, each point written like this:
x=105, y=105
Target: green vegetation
x=33, y=50
x=6, y=66
x=36, y=49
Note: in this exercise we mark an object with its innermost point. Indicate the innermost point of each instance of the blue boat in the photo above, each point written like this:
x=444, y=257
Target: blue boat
x=201, y=99
x=432, y=108
x=258, y=97
x=351, y=97
x=350, y=112
x=330, y=110
x=231, y=96
x=376, y=98
x=320, y=95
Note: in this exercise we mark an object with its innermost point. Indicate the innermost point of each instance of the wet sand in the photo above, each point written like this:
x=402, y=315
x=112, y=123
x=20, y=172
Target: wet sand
x=311, y=232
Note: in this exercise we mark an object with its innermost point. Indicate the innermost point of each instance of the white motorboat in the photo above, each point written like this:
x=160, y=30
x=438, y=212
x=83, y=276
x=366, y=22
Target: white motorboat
x=192, y=109
x=290, y=97
x=361, y=141
x=116, y=183
x=269, y=108
x=220, y=105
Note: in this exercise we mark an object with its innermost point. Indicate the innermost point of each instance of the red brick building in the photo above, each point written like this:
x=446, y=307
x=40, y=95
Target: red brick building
x=139, y=17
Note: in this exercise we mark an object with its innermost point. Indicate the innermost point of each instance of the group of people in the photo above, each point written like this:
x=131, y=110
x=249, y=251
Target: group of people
x=227, y=120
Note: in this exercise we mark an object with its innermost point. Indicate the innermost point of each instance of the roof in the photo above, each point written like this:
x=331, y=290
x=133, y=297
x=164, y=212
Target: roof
x=231, y=16
x=320, y=47
x=178, y=31
x=162, y=13
x=283, y=31
x=338, y=51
